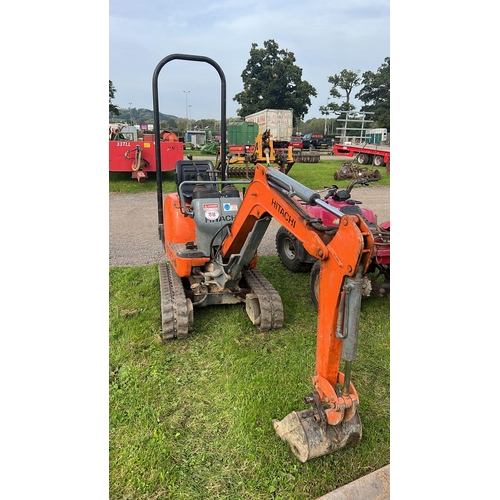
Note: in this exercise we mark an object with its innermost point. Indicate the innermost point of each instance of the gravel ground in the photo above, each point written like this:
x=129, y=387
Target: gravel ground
x=133, y=225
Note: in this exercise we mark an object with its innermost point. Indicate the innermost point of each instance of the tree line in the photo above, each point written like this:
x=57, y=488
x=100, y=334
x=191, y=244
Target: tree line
x=272, y=80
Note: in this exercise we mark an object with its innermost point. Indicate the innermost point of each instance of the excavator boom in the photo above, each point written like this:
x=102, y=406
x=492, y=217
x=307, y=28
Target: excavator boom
x=345, y=255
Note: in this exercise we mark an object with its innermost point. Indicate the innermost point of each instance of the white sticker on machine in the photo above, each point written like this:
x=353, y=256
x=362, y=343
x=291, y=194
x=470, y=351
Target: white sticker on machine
x=211, y=211
x=230, y=207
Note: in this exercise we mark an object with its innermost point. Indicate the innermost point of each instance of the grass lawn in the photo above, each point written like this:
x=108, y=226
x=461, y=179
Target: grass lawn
x=193, y=418
x=313, y=175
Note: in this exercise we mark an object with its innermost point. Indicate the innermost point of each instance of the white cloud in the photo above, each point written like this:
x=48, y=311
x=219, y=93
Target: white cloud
x=325, y=37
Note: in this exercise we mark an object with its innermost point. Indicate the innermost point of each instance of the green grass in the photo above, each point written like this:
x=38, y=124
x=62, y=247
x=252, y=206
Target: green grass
x=122, y=182
x=193, y=418
x=313, y=175
x=319, y=175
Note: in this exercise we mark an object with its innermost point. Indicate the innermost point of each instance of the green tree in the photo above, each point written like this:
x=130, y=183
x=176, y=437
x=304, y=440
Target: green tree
x=346, y=80
x=272, y=80
x=376, y=94
x=113, y=109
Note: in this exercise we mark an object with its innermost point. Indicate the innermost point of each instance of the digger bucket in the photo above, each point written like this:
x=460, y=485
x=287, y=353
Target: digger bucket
x=322, y=430
x=309, y=437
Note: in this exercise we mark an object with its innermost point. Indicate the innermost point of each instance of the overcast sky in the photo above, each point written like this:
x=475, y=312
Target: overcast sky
x=326, y=37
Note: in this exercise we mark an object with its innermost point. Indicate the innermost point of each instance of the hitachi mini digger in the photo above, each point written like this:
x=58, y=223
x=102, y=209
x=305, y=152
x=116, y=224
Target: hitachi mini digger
x=211, y=233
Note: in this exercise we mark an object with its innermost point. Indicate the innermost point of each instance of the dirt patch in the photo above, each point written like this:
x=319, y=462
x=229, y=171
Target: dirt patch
x=133, y=225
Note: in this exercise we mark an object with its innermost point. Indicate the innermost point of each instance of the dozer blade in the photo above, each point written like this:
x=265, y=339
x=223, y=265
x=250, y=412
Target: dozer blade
x=310, y=438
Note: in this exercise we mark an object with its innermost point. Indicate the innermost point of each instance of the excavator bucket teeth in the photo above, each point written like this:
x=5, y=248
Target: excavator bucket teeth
x=309, y=438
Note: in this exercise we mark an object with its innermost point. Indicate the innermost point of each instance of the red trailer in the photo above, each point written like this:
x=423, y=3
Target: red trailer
x=138, y=157
x=367, y=154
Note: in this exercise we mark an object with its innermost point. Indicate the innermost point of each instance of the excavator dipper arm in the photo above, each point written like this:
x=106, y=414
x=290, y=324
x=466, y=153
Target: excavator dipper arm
x=266, y=198
x=332, y=422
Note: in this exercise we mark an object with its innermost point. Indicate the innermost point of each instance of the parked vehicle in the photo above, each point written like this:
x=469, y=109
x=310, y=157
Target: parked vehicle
x=296, y=142
x=295, y=257
x=128, y=154
x=279, y=122
x=315, y=141
x=366, y=154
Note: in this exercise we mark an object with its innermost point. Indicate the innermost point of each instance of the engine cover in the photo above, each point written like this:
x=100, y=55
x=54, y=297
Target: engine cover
x=213, y=211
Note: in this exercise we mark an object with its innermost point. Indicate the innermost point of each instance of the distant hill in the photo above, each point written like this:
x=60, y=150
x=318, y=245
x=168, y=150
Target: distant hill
x=139, y=116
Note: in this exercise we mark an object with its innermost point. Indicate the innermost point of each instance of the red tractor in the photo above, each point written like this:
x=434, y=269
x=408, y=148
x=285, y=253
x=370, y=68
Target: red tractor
x=295, y=258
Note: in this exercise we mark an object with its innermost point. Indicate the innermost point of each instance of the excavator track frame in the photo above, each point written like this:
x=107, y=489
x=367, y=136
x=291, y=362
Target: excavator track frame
x=270, y=307
x=262, y=301
x=176, y=308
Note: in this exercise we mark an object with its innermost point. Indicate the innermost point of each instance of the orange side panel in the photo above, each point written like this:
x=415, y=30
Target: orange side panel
x=184, y=266
x=177, y=228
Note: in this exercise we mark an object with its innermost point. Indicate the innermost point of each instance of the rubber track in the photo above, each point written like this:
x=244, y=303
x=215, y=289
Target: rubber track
x=271, y=307
x=174, y=313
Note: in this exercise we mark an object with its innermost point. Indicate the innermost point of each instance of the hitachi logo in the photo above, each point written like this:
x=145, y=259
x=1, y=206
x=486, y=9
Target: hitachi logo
x=288, y=218
x=222, y=218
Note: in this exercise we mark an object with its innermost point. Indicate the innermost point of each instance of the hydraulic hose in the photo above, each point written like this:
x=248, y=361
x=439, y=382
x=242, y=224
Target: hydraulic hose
x=295, y=188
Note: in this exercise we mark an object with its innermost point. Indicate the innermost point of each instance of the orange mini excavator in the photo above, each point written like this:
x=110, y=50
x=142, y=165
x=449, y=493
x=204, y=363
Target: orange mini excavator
x=211, y=235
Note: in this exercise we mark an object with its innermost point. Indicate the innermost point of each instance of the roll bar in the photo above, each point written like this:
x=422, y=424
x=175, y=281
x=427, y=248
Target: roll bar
x=156, y=122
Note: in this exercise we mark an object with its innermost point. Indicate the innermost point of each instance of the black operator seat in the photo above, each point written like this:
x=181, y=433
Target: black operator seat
x=186, y=171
